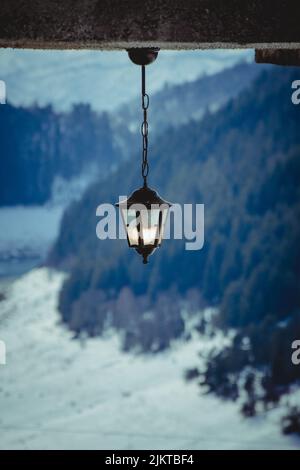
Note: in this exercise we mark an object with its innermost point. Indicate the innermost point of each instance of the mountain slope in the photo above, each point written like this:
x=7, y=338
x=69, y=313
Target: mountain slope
x=175, y=105
x=42, y=149
x=103, y=79
x=39, y=145
x=230, y=162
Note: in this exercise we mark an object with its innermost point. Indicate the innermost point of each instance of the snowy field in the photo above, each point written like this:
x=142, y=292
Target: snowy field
x=56, y=393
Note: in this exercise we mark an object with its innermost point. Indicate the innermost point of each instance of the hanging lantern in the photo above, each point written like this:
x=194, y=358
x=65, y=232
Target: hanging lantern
x=144, y=213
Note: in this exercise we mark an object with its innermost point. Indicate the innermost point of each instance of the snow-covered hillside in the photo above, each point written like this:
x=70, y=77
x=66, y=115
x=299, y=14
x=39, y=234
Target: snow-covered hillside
x=58, y=393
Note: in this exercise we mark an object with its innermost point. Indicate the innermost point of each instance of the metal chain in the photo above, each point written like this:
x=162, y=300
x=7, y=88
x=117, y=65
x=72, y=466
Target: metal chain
x=144, y=128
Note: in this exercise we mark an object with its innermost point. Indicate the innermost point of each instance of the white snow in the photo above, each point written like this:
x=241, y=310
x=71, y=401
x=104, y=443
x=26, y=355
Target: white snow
x=56, y=393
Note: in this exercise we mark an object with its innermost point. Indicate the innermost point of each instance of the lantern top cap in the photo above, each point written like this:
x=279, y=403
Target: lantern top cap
x=143, y=56
x=146, y=196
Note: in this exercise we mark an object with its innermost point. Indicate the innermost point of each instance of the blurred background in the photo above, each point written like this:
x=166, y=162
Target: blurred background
x=103, y=352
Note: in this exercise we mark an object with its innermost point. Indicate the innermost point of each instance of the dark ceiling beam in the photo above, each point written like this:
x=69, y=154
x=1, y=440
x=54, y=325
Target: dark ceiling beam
x=169, y=24
x=278, y=56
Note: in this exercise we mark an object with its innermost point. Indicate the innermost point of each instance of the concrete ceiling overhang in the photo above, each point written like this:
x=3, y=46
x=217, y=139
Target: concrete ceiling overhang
x=272, y=27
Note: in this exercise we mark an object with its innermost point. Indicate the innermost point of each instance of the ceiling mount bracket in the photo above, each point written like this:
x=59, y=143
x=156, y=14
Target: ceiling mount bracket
x=143, y=56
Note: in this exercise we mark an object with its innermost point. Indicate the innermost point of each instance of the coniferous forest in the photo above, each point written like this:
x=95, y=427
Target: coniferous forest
x=243, y=163
x=40, y=144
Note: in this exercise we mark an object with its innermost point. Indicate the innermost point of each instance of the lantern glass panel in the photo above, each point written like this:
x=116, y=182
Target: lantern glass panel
x=150, y=226
x=130, y=223
x=164, y=215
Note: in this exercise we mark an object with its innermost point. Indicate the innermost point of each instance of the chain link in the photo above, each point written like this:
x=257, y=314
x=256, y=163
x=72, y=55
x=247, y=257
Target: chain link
x=144, y=129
